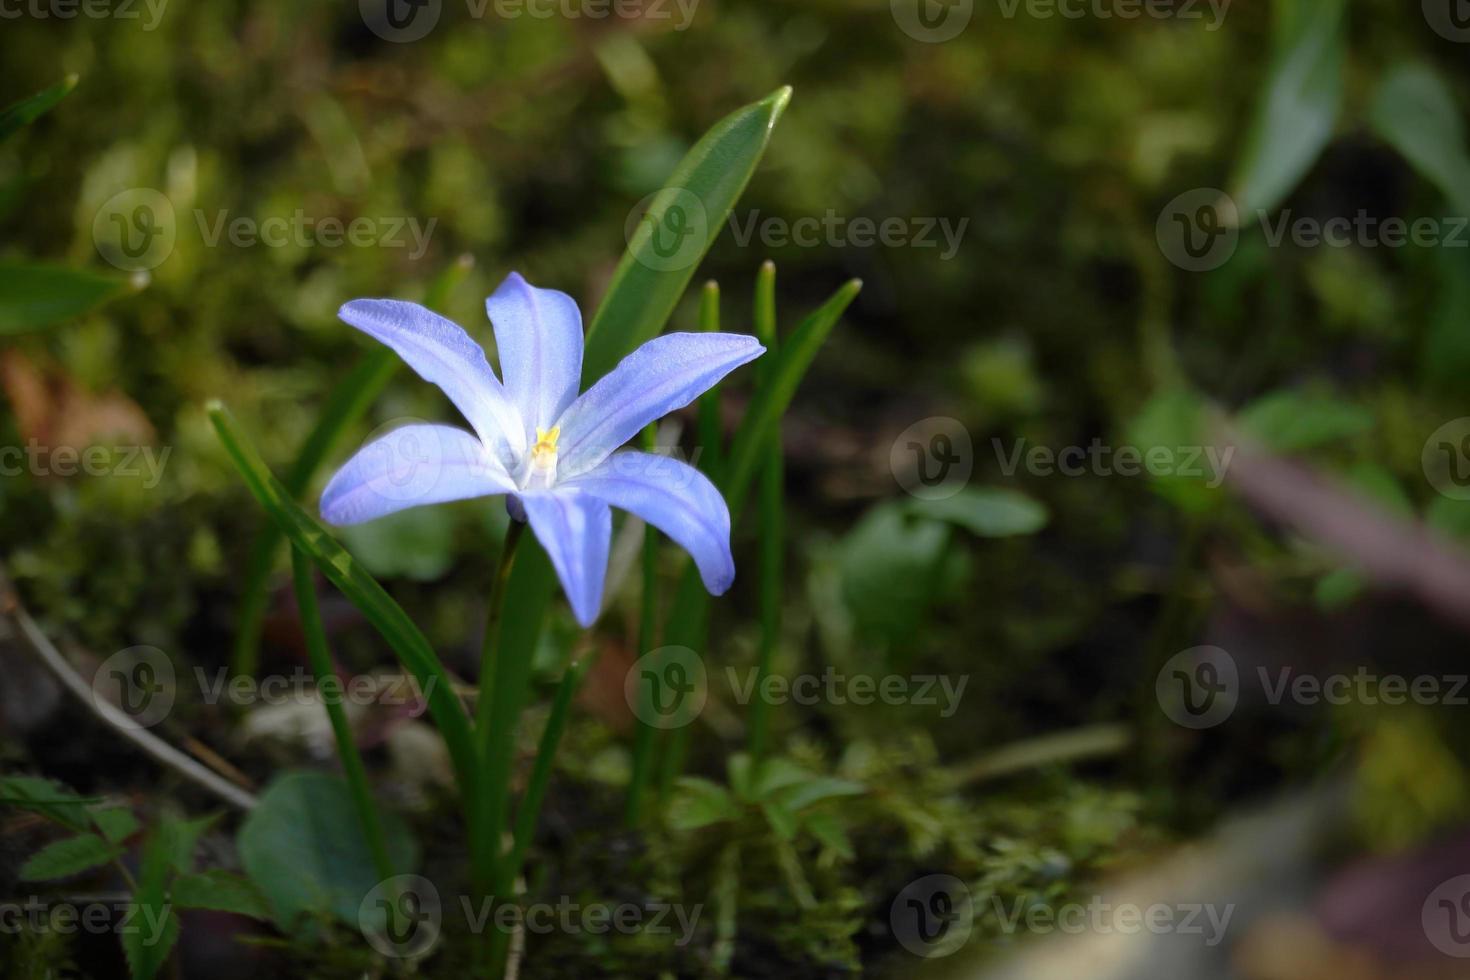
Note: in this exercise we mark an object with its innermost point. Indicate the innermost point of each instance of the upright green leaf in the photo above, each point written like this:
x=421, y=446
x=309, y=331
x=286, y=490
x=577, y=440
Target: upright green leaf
x=219, y=891
x=34, y=296
x=26, y=111
x=147, y=946
x=680, y=224
x=1299, y=104
x=1416, y=113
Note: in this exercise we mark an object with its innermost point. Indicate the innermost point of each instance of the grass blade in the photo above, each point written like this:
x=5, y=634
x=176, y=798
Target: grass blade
x=346, y=404
x=27, y=111
x=691, y=208
x=344, y=572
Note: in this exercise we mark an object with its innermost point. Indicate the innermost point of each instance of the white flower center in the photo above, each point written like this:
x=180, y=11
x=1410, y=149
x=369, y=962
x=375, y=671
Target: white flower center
x=542, y=473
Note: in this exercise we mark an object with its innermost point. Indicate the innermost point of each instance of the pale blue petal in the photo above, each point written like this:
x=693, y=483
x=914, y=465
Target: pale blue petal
x=675, y=498
x=442, y=353
x=412, y=465
x=576, y=531
x=538, y=335
x=664, y=374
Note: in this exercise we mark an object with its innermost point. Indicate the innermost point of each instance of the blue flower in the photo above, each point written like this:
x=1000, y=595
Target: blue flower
x=549, y=450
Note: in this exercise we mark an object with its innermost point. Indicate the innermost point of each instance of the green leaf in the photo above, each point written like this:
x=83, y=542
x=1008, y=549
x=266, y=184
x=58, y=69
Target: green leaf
x=34, y=296
x=698, y=803
x=219, y=891
x=777, y=773
x=116, y=823
x=680, y=224
x=1172, y=419
x=802, y=795
x=64, y=858
x=828, y=829
x=987, y=512
x=27, y=111
x=1382, y=487
x=1337, y=588
x=361, y=589
x=50, y=799
x=1299, y=104
x=147, y=947
x=1290, y=420
x=891, y=565
x=304, y=848
x=179, y=838
x=772, y=397
x=1416, y=113
x=782, y=820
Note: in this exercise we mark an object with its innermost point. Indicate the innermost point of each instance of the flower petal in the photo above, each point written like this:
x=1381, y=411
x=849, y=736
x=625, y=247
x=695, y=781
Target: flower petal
x=576, y=531
x=538, y=335
x=664, y=374
x=443, y=354
x=675, y=498
x=412, y=465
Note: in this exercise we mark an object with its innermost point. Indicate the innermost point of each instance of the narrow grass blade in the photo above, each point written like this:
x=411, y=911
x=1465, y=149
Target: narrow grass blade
x=680, y=224
x=35, y=296
x=556, y=723
x=362, y=590
x=771, y=514
x=28, y=110
x=346, y=404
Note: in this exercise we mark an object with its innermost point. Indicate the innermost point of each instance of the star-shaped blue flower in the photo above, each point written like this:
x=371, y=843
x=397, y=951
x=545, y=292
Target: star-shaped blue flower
x=536, y=441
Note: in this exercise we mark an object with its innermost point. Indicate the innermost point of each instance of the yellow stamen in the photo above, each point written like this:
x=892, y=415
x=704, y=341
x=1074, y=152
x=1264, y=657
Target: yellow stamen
x=546, y=441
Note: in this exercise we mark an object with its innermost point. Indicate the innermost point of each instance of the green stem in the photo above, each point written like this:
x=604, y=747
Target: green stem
x=711, y=444
x=327, y=680
x=771, y=516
